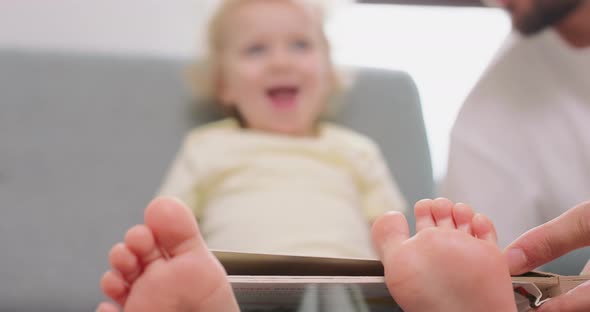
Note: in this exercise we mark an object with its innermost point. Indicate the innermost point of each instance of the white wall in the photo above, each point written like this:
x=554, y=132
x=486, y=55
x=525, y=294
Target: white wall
x=164, y=27
x=445, y=50
x=121, y=26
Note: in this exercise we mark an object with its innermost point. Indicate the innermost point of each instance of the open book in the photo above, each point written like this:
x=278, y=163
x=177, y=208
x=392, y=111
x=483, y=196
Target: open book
x=266, y=282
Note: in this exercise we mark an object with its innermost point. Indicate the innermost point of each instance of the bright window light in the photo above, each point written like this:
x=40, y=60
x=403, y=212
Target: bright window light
x=445, y=50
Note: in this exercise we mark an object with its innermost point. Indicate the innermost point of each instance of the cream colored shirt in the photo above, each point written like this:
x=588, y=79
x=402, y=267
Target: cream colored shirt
x=261, y=192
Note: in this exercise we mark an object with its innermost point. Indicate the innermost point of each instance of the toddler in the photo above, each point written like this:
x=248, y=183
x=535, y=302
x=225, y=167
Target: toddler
x=272, y=177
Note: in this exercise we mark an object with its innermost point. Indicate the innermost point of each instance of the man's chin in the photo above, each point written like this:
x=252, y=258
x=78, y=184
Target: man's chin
x=546, y=13
x=528, y=29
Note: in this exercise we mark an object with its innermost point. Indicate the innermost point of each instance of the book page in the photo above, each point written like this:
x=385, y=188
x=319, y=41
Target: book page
x=267, y=282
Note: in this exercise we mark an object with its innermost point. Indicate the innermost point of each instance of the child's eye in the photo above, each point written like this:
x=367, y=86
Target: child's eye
x=300, y=45
x=255, y=49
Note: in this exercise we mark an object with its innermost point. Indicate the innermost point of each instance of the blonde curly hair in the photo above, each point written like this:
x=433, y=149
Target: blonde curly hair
x=206, y=73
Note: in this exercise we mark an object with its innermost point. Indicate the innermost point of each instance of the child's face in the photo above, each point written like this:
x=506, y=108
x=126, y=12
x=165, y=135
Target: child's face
x=275, y=67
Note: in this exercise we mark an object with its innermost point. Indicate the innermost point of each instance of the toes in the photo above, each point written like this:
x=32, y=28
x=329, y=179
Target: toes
x=107, y=307
x=125, y=262
x=434, y=213
x=389, y=232
x=140, y=241
x=483, y=228
x=173, y=240
x=463, y=216
x=114, y=286
x=442, y=211
x=423, y=213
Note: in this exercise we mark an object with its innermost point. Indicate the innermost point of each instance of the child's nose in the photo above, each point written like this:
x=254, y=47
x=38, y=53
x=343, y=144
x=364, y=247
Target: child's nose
x=281, y=59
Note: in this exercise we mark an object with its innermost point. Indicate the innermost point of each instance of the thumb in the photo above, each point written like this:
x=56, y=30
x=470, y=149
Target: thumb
x=575, y=300
x=551, y=240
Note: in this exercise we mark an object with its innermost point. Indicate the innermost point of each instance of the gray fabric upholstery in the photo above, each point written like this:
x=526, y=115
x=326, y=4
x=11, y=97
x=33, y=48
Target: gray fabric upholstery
x=86, y=139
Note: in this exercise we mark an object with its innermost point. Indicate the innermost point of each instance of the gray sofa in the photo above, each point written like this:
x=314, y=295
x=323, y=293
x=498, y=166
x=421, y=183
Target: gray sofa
x=86, y=139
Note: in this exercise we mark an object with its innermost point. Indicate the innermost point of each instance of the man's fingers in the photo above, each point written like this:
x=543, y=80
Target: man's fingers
x=576, y=300
x=551, y=240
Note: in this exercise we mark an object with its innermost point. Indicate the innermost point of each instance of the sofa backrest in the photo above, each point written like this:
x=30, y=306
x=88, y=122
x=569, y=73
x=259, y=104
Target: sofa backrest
x=85, y=141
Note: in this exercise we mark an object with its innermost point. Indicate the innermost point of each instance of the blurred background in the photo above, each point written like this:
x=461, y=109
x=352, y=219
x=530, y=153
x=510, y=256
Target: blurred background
x=93, y=107
x=429, y=42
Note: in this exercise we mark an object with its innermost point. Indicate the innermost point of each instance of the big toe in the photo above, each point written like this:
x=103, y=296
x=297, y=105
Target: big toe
x=173, y=225
x=389, y=232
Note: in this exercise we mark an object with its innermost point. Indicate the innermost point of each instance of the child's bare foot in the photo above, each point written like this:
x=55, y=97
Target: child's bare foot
x=444, y=214
x=164, y=265
x=451, y=264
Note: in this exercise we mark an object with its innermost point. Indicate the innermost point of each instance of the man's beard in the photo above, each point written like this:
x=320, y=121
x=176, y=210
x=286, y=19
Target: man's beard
x=545, y=13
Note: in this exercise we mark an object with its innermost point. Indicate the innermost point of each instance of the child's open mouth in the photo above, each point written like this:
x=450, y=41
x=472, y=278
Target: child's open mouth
x=283, y=97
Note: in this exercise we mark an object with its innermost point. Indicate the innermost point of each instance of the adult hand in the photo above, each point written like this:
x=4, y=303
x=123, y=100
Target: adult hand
x=549, y=241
